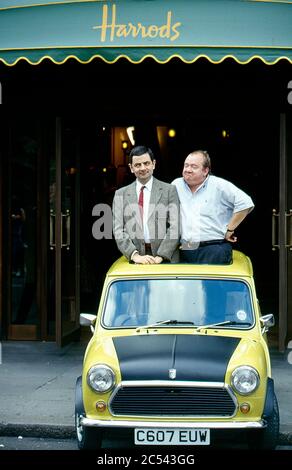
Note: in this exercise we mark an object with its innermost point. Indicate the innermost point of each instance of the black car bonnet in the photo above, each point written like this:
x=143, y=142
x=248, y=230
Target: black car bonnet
x=194, y=357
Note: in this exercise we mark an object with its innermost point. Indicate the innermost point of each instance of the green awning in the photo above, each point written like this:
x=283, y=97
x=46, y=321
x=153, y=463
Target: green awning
x=162, y=29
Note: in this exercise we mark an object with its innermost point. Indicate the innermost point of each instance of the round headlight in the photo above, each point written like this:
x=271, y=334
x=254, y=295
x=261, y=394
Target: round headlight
x=245, y=380
x=101, y=378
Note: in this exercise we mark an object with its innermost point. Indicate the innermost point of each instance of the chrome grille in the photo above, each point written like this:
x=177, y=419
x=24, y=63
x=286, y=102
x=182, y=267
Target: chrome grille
x=172, y=401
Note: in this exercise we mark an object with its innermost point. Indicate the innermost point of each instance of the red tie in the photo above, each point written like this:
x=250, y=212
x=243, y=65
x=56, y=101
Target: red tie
x=141, y=201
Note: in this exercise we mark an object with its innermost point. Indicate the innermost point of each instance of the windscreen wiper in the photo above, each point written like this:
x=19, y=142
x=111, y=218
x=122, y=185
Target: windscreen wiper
x=164, y=322
x=222, y=323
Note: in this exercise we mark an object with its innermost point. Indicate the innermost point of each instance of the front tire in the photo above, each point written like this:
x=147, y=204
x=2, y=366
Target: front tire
x=87, y=438
x=268, y=437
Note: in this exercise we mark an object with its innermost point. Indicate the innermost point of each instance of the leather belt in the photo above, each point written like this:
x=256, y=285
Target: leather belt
x=195, y=245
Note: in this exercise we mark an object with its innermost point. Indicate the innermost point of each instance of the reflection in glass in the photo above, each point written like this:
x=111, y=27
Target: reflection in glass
x=23, y=228
x=201, y=301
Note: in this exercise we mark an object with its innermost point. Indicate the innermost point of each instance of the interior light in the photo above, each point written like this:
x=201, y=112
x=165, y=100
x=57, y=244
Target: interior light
x=130, y=132
x=225, y=134
x=172, y=133
x=104, y=170
x=71, y=171
x=124, y=144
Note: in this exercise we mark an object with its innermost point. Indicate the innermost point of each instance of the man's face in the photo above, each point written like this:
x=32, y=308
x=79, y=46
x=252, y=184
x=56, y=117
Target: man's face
x=194, y=172
x=142, y=167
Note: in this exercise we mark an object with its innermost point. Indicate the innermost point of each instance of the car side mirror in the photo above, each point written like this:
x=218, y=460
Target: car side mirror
x=87, y=319
x=267, y=321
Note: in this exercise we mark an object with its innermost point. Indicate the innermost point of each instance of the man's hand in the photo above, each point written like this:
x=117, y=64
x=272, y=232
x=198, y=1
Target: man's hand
x=229, y=236
x=144, y=259
x=158, y=259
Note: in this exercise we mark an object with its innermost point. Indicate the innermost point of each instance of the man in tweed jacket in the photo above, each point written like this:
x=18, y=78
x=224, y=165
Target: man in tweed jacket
x=146, y=226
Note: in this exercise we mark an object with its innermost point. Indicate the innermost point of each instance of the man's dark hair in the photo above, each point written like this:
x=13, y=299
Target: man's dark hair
x=206, y=156
x=140, y=150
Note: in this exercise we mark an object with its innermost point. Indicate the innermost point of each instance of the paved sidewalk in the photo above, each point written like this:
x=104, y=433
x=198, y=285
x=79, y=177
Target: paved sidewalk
x=37, y=387
x=282, y=375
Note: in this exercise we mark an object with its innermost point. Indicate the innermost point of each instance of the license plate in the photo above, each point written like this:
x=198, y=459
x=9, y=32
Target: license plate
x=169, y=436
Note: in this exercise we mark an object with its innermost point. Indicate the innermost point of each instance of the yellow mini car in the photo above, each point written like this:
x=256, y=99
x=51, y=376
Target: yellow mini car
x=178, y=355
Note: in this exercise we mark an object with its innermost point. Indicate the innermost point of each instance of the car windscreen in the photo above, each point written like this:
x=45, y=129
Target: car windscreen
x=138, y=302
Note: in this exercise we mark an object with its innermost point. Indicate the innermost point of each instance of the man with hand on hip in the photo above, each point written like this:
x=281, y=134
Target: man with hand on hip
x=211, y=209
x=146, y=214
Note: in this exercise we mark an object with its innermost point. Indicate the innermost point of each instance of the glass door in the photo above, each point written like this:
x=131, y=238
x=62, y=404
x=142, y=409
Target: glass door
x=282, y=236
x=64, y=213
x=282, y=232
x=289, y=226
x=24, y=321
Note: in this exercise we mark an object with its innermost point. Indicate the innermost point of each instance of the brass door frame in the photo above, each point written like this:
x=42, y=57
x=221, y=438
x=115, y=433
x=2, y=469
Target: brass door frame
x=2, y=192
x=5, y=228
x=289, y=224
x=43, y=227
x=283, y=284
x=58, y=208
x=62, y=338
x=282, y=232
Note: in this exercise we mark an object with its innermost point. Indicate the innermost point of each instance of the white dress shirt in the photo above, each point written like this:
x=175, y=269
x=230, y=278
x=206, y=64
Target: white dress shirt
x=205, y=213
x=146, y=202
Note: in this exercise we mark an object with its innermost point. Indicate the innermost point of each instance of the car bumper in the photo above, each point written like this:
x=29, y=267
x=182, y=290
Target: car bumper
x=87, y=422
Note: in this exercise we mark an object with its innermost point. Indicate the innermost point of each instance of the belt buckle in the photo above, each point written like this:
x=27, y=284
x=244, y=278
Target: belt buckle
x=190, y=245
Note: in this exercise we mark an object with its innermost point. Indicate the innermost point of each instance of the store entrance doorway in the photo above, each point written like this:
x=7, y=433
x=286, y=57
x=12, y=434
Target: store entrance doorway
x=57, y=169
